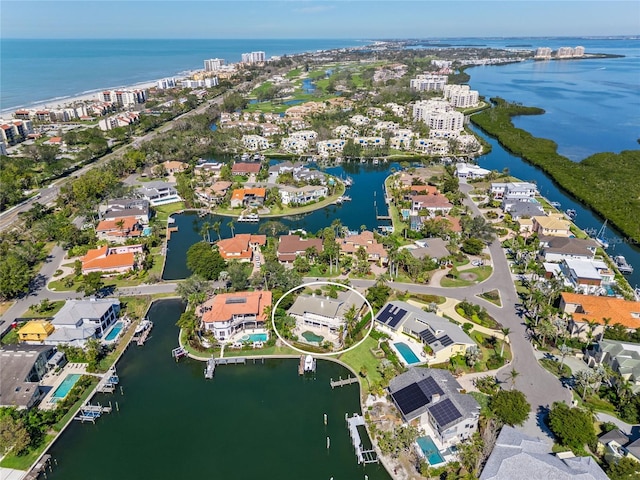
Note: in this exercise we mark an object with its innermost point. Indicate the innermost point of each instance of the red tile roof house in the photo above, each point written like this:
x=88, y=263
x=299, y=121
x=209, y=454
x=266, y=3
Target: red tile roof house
x=118, y=230
x=436, y=203
x=375, y=251
x=111, y=260
x=241, y=247
x=248, y=197
x=292, y=246
x=228, y=313
x=245, y=168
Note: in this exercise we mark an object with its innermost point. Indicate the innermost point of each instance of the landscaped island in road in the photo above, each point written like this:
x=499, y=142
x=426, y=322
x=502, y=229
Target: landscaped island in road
x=606, y=182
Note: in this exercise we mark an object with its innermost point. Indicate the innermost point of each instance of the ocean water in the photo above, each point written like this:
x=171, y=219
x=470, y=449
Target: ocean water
x=39, y=71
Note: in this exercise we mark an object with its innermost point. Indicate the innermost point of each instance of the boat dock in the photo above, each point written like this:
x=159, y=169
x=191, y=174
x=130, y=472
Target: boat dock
x=363, y=455
x=210, y=368
x=301, y=365
x=89, y=413
x=108, y=382
x=231, y=360
x=40, y=467
x=178, y=353
x=624, y=267
x=249, y=218
x=142, y=332
x=342, y=382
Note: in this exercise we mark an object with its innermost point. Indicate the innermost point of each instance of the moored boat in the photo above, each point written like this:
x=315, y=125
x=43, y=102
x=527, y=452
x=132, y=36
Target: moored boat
x=624, y=267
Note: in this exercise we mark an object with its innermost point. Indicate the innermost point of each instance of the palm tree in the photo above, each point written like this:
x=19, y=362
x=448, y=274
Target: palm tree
x=505, y=333
x=216, y=228
x=564, y=351
x=204, y=231
x=606, y=321
x=513, y=374
x=230, y=225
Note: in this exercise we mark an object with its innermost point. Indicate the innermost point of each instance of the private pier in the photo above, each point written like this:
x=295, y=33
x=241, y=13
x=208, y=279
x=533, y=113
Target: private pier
x=210, y=368
x=178, y=353
x=363, y=455
x=342, y=382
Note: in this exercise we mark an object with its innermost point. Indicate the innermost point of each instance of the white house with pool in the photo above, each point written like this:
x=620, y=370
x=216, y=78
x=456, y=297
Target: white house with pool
x=420, y=336
x=233, y=316
x=79, y=320
x=433, y=397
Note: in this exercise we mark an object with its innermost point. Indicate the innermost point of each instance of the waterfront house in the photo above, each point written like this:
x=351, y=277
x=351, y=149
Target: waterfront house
x=213, y=194
x=514, y=189
x=324, y=312
x=112, y=260
x=302, y=195
x=159, y=193
x=555, y=225
x=589, y=308
x=519, y=209
x=292, y=246
x=211, y=169
x=35, y=331
x=173, y=166
x=430, y=248
x=470, y=171
x=248, y=197
x=434, y=204
x=255, y=142
x=444, y=339
x=245, y=168
x=433, y=398
x=556, y=249
x=79, y=320
x=125, y=207
x=228, y=313
x=241, y=247
x=119, y=229
x=622, y=357
x=586, y=276
x=376, y=252
x=517, y=456
x=23, y=366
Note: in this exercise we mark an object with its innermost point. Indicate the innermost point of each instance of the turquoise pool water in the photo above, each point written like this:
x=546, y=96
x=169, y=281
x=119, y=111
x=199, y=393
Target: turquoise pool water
x=255, y=337
x=407, y=353
x=312, y=337
x=66, y=385
x=430, y=450
x=146, y=231
x=113, y=333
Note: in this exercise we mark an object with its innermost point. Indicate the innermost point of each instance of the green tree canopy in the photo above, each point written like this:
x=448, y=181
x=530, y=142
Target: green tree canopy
x=573, y=426
x=15, y=275
x=510, y=406
x=205, y=261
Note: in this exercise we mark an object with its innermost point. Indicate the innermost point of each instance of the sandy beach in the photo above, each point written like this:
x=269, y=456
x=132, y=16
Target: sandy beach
x=84, y=97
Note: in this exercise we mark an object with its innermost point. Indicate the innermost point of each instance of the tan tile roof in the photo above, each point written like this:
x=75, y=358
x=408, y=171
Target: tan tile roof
x=238, y=246
x=596, y=309
x=243, y=167
x=110, y=225
x=290, y=245
x=240, y=193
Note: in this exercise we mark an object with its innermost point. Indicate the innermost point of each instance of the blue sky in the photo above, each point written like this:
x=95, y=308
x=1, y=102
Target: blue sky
x=363, y=19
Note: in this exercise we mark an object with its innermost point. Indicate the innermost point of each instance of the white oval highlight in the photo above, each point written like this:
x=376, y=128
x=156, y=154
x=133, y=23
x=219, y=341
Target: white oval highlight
x=328, y=354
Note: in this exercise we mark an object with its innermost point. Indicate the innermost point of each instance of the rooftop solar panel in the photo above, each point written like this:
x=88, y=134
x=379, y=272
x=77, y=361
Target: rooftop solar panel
x=385, y=315
x=399, y=315
x=410, y=398
x=429, y=386
x=444, y=412
x=446, y=341
x=428, y=336
x=391, y=315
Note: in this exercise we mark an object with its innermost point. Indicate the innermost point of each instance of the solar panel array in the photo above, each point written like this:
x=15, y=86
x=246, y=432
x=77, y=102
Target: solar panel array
x=410, y=398
x=235, y=300
x=391, y=315
x=446, y=341
x=428, y=336
x=444, y=412
x=429, y=386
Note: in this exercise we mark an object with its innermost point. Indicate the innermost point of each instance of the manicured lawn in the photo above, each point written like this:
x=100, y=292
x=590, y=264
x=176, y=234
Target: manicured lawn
x=492, y=296
x=163, y=211
x=24, y=462
x=362, y=357
x=554, y=367
x=56, y=306
x=11, y=338
x=481, y=274
x=4, y=306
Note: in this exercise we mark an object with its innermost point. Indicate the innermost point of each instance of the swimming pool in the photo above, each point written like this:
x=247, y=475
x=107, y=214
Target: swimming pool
x=407, y=353
x=312, y=337
x=65, y=387
x=430, y=450
x=113, y=333
x=255, y=337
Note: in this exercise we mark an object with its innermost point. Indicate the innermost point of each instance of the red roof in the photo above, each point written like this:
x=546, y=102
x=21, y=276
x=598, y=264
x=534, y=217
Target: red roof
x=244, y=167
x=223, y=307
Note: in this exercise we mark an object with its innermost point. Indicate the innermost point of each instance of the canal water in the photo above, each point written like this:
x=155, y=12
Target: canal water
x=368, y=187
x=253, y=421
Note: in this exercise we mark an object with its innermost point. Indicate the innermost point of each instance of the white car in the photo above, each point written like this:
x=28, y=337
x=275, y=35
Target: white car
x=477, y=263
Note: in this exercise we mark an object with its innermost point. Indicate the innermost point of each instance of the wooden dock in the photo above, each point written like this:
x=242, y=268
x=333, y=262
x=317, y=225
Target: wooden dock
x=342, y=382
x=363, y=455
x=40, y=467
x=231, y=360
x=383, y=217
x=210, y=370
x=143, y=337
x=301, y=365
x=178, y=353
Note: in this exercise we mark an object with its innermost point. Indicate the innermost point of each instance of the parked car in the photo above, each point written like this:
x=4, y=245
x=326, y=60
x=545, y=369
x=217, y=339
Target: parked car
x=477, y=263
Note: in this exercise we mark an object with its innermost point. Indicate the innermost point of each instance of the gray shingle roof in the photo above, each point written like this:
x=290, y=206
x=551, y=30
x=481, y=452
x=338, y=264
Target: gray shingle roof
x=517, y=456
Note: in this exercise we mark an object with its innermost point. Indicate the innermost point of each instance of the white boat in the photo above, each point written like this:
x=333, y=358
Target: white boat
x=309, y=364
x=622, y=264
x=555, y=204
x=143, y=325
x=571, y=213
x=600, y=236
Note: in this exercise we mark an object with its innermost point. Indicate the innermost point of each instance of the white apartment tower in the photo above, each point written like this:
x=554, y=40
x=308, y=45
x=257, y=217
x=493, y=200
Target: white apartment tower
x=213, y=64
x=439, y=115
x=461, y=96
x=543, y=53
x=428, y=83
x=253, y=57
